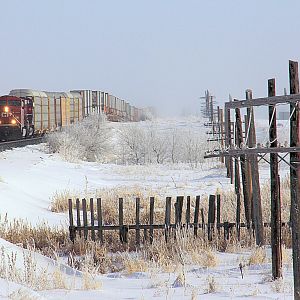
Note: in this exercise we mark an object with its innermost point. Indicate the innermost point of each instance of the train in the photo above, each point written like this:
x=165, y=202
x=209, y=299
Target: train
x=25, y=113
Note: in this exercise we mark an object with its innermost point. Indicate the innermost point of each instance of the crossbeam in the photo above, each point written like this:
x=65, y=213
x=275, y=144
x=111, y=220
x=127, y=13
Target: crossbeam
x=239, y=152
x=262, y=101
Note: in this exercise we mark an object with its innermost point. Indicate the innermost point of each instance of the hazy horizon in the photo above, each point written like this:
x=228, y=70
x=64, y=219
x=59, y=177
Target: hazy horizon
x=157, y=53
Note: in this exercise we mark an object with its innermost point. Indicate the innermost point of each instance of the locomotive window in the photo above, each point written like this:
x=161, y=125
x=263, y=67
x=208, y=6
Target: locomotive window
x=14, y=102
x=2, y=102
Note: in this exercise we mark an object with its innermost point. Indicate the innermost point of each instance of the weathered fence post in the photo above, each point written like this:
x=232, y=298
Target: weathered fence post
x=188, y=212
x=78, y=215
x=167, y=218
x=71, y=227
x=295, y=176
x=256, y=201
x=237, y=183
x=275, y=192
x=137, y=221
x=151, y=219
x=245, y=179
x=211, y=216
x=178, y=210
x=99, y=218
x=122, y=229
x=92, y=219
x=218, y=213
x=196, y=215
x=85, y=222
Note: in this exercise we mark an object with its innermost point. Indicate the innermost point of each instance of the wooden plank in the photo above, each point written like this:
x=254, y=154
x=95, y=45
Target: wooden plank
x=222, y=132
x=248, y=168
x=203, y=220
x=275, y=193
x=85, y=222
x=71, y=221
x=162, y=226
x=188, y=211
x=262, y=101
x=218, y=213
x=78, y=214
x=237, y=188
x=229, y=133
x=99, y=218
x=295, y=176
x=137, y=221
x=256, y=200
x=167, y=218
x=92, y=218
x=211, y=216
x=151, y=219
x=122, y=228
x=245, y=179
x=247, y=151
x=178, y=210
x=196, y=215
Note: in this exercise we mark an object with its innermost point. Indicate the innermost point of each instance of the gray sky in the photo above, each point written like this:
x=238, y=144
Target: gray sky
x=160, y=52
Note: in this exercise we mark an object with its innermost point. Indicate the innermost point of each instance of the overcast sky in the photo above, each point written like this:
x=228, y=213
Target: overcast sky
x=164, y=53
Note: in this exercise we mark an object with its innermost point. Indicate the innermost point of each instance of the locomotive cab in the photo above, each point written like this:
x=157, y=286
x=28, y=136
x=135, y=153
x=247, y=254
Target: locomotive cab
x=16, y=118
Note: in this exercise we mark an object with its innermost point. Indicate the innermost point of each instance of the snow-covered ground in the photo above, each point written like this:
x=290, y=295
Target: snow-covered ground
x=29, y=177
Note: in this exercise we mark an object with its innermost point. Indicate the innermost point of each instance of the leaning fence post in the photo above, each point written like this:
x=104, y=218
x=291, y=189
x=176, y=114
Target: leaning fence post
x=196, y=215
x=72, y=229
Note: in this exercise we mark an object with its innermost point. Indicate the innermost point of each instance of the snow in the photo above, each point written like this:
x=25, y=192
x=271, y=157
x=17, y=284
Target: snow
x=30, y=176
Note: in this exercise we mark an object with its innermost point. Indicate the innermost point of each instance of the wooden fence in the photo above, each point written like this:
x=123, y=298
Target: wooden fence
x=90, y=225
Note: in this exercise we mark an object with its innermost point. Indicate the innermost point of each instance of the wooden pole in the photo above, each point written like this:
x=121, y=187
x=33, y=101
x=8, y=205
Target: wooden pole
x=256, y=204
x=137, y=221
x=99, y=219
x=196, y=215
x=245, y=178
x=167, y=218
x=218, y=214
x=237, y=185
x=71, y=220
x=92, y=219
x=151, y=219
x=85, y=223
x=275, y=193
x=228, y=143
x=78, y=214
x=188, y=211
x=222, y=132
x=211, y=216
x=248, y=168
x=295, y=177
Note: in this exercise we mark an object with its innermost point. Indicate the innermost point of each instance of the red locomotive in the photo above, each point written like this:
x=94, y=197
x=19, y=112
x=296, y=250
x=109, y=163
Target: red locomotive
x=16, y=118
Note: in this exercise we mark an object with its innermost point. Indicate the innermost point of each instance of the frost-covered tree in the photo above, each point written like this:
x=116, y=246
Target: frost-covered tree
x=88, y=140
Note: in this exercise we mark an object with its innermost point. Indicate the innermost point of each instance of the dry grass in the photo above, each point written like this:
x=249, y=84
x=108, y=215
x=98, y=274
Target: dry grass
x=258, y=256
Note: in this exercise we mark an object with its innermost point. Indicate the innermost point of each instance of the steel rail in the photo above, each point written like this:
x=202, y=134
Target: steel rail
x=20, y=143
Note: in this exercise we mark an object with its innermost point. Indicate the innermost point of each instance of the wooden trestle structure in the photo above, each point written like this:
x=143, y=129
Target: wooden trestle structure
x=242, y=154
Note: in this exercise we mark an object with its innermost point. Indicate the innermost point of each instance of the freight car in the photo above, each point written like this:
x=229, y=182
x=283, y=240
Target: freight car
x=26, y=112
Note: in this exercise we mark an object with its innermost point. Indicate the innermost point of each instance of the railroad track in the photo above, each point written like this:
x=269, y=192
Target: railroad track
x=20, y=143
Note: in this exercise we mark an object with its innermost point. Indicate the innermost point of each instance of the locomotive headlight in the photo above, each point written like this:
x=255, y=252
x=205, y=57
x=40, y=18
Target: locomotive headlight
x=13, y=121
x=6, y=109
